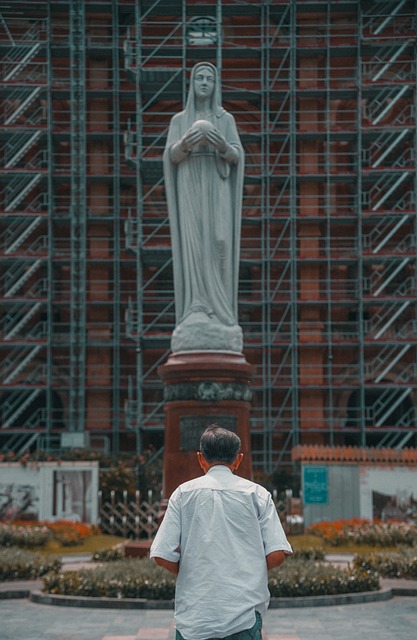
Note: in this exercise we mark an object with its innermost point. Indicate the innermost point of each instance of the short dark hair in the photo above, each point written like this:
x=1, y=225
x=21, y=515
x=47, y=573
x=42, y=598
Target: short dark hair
x=219, y=445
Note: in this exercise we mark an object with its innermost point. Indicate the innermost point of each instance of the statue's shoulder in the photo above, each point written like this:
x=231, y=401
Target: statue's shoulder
x=226, y=117
x=178, y=117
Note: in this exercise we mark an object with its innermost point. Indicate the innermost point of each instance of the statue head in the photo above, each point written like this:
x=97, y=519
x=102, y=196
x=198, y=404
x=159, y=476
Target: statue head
x=204, y=80
x=200, y=74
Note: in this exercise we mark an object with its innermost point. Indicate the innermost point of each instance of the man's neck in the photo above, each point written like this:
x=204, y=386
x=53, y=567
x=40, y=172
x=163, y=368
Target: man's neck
x=206, y=465
x=219, y=464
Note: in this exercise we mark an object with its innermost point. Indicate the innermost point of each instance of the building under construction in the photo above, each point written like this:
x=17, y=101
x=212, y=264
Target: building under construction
x=324, y=96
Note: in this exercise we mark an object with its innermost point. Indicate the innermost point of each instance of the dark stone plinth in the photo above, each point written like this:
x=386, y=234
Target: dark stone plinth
x=201, y=388
x=137, y=548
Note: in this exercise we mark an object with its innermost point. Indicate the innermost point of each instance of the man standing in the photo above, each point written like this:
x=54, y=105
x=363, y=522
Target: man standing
x=220, y=535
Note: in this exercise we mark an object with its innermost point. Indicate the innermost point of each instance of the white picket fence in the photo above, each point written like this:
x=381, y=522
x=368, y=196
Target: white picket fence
x=129, y=516
x=136, y=516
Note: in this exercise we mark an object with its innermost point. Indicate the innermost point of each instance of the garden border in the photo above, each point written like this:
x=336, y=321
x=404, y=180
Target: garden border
x=31, y=589
x=386, y=593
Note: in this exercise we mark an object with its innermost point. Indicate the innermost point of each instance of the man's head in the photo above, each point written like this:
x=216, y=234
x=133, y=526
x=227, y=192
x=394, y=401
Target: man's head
x=219, y=446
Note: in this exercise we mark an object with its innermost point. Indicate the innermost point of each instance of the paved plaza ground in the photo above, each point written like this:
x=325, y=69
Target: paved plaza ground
x=395, y=619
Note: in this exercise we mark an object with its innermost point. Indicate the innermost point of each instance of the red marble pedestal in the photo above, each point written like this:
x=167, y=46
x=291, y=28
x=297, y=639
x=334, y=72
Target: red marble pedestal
x=201, y=388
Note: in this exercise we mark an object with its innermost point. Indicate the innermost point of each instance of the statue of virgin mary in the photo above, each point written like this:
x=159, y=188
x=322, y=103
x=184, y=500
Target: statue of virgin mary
x=203, y=170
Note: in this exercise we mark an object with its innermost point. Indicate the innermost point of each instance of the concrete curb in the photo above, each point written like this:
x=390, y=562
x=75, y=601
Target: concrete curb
x=332, y=600
x=14, y=589
x=403, y=590
x=99, y=603
x=276, y=603
x=15, y=594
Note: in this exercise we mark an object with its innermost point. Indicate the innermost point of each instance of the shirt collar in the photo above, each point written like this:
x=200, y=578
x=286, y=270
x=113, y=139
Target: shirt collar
x=219, y=468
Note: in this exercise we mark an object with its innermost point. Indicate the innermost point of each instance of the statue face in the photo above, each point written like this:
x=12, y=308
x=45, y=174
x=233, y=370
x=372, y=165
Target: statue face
x=204, y=82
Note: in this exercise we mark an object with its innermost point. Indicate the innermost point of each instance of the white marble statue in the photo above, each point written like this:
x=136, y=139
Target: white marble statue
x=203, y=169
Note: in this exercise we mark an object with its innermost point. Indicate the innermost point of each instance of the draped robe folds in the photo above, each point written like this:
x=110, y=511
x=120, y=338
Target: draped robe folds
x=204, y=197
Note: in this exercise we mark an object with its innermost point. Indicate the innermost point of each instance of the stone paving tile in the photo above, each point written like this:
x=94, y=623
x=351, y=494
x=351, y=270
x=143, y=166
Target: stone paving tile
x=157, y=633
x=395, y=619
x=119, y=638
x=280, y=637
x=391, y=620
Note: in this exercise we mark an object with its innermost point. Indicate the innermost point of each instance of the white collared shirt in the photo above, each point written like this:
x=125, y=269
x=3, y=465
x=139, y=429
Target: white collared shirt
x=219, y=527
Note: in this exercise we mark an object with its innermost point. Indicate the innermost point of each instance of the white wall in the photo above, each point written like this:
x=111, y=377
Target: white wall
x=342, y=493
x=398, y=484
x=360, y=491
x=49, y=491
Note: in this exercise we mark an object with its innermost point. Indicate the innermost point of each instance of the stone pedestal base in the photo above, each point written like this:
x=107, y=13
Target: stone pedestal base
x=198, y=331
x=137, y=548
x=201, y=388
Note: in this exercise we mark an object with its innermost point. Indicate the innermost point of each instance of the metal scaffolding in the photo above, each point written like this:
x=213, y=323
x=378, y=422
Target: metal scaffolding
x=324, y=96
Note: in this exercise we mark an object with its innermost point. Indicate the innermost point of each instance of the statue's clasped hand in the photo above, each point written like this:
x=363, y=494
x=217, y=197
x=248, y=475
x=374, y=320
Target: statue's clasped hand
x=203, y=131
x=218, y=141
x=190, y=139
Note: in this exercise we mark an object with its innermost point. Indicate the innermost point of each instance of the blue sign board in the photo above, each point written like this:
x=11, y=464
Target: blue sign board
x=315, y=485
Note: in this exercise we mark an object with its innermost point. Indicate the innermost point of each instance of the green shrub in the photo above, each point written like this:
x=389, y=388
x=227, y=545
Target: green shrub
x=310, y=553
x=110, y=555
x=65, y=532
x=68, y=533
x=389, y=535
x=402, y=564
x=19, y=564
x=144, y=579
x=121, y=579
x=306, y=578
x=359, y=531
x=117, y=553
x=12, y=535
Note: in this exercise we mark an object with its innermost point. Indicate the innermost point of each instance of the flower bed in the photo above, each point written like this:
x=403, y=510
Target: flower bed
x=110, y=555
x=12, y=535
x=144, y=579
x=117, y=553
x=120, y=579
x=65, y=532
x=358, y=531
x=310, y=553
x=70, y=533
x=390, y=565
x=19, y=564
x=300, y=578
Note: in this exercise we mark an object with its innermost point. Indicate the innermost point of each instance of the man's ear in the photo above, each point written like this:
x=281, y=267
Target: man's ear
x=236, y=462
x=202, y=461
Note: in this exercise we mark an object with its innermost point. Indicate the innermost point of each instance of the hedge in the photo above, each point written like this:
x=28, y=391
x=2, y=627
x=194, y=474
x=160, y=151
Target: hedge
x=117, y=553
x=402, y=564
x=65, y=532
x=359, y=531
x=120, y=579
x=110, y=555
x=20, y=564
x=298, y=577
x=23, y=536
x=144, y=579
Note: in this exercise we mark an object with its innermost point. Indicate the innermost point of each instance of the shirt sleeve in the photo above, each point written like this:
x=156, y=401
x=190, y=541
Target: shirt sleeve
x=167, y=541
x=273, y=534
